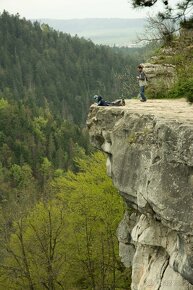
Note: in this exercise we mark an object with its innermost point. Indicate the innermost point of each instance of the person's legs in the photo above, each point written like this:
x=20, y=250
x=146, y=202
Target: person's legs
x=142, y=93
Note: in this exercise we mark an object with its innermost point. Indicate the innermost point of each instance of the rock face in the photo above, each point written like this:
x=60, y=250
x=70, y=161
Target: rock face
x=186, y=35
x=161, y=76
x=160, y=73
x=149, y=150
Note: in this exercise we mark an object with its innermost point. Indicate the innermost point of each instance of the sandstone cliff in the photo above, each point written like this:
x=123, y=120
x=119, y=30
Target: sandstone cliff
x=149, y=150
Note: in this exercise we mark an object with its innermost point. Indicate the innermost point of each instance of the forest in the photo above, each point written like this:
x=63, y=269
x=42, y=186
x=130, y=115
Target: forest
x=42, y=66
x=58, y=209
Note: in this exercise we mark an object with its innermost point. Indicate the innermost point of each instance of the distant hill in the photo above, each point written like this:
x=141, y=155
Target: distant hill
x=112, y=31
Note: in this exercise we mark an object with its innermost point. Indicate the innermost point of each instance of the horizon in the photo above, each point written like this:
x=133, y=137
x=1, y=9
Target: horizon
x=106, y=31
x=94, y=18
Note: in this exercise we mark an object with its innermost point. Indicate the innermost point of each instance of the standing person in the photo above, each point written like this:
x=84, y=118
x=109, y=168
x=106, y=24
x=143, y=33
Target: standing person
x=142, y=83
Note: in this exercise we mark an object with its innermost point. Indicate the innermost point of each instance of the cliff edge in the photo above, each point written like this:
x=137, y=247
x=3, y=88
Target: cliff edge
x=149, y=150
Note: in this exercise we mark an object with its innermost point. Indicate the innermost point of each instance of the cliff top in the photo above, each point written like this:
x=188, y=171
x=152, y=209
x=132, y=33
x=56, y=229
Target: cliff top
x=178, y=110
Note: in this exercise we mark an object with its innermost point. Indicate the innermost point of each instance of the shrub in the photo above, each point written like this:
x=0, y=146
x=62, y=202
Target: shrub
x=183, y=89
x=157, y=90
x=188, y=24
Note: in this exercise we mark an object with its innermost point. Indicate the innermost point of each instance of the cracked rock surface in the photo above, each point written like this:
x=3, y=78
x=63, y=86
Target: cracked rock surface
x=149, y=150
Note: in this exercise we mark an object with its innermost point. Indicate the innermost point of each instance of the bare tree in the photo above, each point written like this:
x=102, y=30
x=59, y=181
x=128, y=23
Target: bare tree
x=159, y=30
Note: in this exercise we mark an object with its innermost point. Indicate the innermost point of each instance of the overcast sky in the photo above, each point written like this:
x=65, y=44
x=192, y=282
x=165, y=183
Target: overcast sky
x=67, y=9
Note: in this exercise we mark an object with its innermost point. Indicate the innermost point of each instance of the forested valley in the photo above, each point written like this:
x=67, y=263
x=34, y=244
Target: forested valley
x=58, y=209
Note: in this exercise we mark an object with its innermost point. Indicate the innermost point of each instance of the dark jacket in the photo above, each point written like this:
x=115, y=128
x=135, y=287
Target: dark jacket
x=101, y=102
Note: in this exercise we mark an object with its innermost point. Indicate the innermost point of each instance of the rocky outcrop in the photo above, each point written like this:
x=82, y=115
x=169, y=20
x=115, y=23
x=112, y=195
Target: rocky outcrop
x=149, y=150
x=160, y=74
x=186, y=35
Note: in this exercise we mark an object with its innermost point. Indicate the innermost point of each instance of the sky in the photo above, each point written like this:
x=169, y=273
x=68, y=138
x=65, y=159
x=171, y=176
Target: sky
x=69, y=9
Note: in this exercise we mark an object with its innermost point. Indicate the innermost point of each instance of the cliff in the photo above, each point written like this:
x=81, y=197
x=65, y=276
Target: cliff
x=149, y=150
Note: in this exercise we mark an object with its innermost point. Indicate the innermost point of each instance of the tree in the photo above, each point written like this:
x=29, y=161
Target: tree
x=163, y=27
x=35, y=252
x=160, y=30
x=94, y=209
x=147, y=3
x=46, y=171
x=23, y=183
x=181, y=12
x=68, y=242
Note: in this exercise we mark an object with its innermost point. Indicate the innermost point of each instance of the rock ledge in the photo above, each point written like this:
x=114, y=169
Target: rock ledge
x=150, y=159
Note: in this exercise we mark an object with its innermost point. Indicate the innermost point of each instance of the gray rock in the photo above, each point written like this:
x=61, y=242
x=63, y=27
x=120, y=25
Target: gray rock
x=150, y=160
x=161, y=76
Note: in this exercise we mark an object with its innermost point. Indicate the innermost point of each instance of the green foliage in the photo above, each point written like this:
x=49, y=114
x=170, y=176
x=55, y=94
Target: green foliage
x=3, y=104
x=21, y=175
x=157, y=90
x=183, y=89
x=35, y=248
x=91, y=202
x=57, y=227
x=39, y=124
x=188, y=24
x=29, y=143
x=42, y=66
x=181, y=56
x=69, y=242
x=47, y=79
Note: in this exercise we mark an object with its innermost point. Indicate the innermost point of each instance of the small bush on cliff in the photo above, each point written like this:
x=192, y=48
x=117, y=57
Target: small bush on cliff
x=183, y=89
x=188, y=24
x=157, y=91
